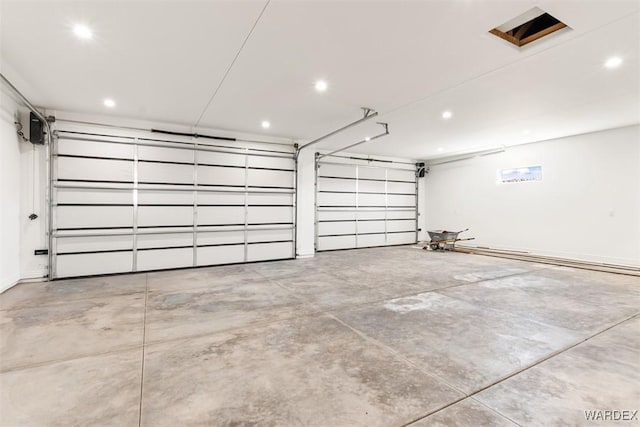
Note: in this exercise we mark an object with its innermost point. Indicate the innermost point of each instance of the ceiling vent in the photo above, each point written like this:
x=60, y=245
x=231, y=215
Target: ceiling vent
x=528, y=27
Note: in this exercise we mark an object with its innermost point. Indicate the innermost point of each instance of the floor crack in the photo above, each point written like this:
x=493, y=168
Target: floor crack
x=144, y=337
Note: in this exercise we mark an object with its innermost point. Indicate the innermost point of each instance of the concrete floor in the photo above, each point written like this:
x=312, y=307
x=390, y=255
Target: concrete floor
x=386, y=336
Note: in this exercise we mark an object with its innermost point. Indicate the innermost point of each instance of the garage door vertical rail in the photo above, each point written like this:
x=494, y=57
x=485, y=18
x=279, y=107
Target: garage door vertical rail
x=135, y=207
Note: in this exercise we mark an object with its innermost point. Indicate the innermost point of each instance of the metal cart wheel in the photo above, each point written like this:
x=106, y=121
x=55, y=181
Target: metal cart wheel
x=434, y=247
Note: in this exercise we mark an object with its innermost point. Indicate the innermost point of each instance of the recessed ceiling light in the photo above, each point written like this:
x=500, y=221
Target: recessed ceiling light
x=109, y=103
x=613, y=62
x=440, y=149
x=266, y=124
x=367, y=138
x=447, y=115
x=82, y=31
x=321, y=86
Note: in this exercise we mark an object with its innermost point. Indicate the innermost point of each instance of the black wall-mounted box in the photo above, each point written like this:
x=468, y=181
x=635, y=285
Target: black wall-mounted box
x=36, y=134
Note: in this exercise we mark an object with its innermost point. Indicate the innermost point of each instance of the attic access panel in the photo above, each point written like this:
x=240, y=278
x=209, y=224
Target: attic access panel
x=528, y=27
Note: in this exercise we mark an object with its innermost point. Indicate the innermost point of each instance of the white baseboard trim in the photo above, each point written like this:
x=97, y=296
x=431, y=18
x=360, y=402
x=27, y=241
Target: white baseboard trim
x=7, y=287
x=301, y=256
x=33, y=279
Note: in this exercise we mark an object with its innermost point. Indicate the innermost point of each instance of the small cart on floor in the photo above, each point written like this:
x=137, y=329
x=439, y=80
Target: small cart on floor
x=444, y=240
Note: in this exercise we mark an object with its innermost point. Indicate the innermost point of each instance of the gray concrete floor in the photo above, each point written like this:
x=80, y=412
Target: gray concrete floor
x=386, y=336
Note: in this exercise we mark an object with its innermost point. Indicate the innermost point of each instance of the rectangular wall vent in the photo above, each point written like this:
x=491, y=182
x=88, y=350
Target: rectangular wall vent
x=528, y=27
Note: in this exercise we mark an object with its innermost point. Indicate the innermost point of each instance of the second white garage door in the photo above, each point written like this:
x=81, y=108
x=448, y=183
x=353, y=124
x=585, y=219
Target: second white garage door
x=364, y=205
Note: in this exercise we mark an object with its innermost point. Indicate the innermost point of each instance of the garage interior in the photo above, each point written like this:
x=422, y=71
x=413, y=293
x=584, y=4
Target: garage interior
x=232, y=213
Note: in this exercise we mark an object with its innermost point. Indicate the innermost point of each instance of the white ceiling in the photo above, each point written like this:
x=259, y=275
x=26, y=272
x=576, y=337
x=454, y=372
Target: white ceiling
x=410, y=60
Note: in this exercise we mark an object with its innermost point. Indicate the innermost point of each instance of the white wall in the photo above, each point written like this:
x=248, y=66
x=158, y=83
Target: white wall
x=305, y=227
x=23, y=183
x=587, y=207
x=422, y=209
x=33, y=187
x=9, y=194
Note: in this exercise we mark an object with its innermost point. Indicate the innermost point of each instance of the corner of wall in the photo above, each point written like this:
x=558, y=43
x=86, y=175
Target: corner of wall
x=9, y=195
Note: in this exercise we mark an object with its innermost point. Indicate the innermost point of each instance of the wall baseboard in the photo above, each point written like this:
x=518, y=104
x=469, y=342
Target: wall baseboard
x=300, y=256
x=24, y=280
x=564, y=262
x=5, y=288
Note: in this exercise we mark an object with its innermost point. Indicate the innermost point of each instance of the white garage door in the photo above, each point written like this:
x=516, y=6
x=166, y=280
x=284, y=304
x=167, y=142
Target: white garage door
x=364, y=205
x=125, y=204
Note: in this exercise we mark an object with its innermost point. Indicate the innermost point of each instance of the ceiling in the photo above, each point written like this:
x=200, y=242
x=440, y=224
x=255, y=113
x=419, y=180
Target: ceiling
x=230, y=65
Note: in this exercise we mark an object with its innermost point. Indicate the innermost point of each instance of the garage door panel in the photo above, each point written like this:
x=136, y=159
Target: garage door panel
x=70, y=168
x=165, y=173
x=401, y=238
x=162, y=259
x=371, y=200
x=76, y=147
x=91, y=264
x=401, y=214
x=255, y=236
x=165, y=154
x=266, y=215
x=401, y=200
x=270, y=178
x=368, y=215
x=329, y=184
x=220, y=238
x=93, y=243
x=220, y=198
x=401, y=187
x=215, y=158
x=93, y=196
x=369, y=240
x=336, y=199
x=147, y=241
x=346, y=171
x=401, y=175
x=404, y=225
x=332, y=228
x=165, y=197
x=371, y=186
x=371, y=173
x=155, y=216
x=210, y=175
x=335, y=215
x=271, y=162
x=270, y=199
x=220, y=215
x=216, y=255
x=264, y=251
x=93, y=216
x=371, y=226
x=340, y=242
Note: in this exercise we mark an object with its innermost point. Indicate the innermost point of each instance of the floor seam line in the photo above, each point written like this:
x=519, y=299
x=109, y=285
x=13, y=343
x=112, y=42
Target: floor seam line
x=69, y=359
x=526, y=368
x=519, y=315
x=237, y=328
x=395, y=353
x=63, y=303
x=144, y=336
x=494, y=410
x=377, y=301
